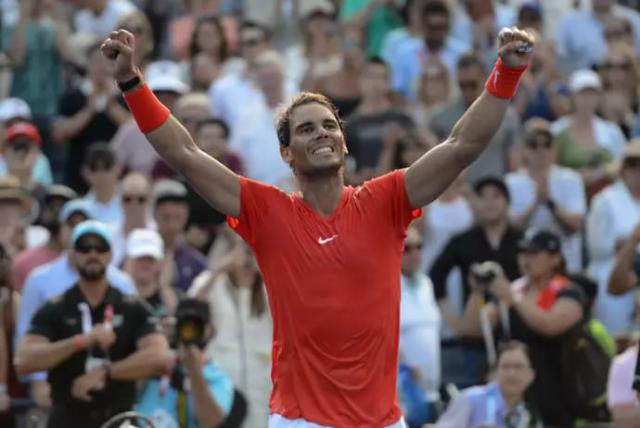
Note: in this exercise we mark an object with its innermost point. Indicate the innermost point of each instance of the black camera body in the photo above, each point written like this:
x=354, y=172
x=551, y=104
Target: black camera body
x=485, y=273
x=192, y=317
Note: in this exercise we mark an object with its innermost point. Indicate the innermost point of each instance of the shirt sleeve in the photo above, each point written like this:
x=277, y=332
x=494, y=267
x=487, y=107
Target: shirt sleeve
x=29, y=304
x=441, y=268
x=619, y=386
x=256, y=204
x=458, y=414
x=576, y=199
x=44, y=320
x=143, y=320
x=600, y=230
x=221, y=388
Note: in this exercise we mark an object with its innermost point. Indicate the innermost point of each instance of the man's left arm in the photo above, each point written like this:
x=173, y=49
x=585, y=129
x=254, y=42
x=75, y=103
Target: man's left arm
x=149, y=359
x=430, y=175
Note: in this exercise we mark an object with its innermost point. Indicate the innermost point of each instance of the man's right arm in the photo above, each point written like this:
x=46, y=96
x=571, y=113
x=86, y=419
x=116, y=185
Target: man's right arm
x=212, y=180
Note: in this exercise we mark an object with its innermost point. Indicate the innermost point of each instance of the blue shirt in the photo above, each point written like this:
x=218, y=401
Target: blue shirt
x=162, y=409
x=52, y=279
x=110, y=213
x=40, y=172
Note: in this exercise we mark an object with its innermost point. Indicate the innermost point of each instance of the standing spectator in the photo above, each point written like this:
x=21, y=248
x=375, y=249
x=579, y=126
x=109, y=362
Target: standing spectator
x=112, y=342
x=614, y=214
x=580, y=34
x=12, y=111
x=207, y=390
x=235, y=291
x=145, y=255
x=171, y=213
x=375, y=18
x=208, y=52
x=502, y=403
x=10, y=388
x=36, y=47
x=88, y=114
x=546, y=195
x=412, y=33
x=102, y=172
x=492, y=238
x=497, y=159
x=51, y=217
x=419, y=323
x=100, y=17
x=136, y=213
x=434, y=90
x=585, y=142
x=620, y=98
x=622, y=399
x=436, y=21
x=318, y=53
x=256, y=137
x=364, y=127
x=543, y=306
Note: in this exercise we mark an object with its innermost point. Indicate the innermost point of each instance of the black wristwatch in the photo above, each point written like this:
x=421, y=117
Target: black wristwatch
x=129, y=84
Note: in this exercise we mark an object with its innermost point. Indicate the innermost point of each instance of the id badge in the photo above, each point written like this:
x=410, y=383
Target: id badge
x=94, y=363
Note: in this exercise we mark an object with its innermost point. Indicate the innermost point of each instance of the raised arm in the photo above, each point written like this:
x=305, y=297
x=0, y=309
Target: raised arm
x=430, y=175
x=215, y=182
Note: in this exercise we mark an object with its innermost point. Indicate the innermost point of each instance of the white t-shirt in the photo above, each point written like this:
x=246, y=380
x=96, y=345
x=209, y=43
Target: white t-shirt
x=101, y=25
x=277, y=421
x=566, y=189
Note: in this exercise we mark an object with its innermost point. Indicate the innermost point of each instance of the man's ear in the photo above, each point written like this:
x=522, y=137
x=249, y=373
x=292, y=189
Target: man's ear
x=285, y=153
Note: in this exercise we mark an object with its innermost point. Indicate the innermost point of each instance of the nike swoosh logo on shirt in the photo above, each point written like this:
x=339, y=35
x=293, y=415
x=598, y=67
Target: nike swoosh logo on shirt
x=323, y=241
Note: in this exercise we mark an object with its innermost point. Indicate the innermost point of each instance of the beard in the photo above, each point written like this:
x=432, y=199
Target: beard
x=89, y=274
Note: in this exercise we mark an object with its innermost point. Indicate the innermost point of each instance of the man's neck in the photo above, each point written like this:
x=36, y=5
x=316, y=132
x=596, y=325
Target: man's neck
x=323, y=194
x=536, y=171
x=104, y=196
x=374, y=105
x=171, y=243
x=495, y=231
x=133, y=223
x=93, y=291
x=146, y=289
x=512, y=401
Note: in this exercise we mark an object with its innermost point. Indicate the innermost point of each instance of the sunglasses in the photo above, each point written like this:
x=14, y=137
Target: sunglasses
x=534, y=145
x=412, y=247
x=84, y=248
x=251, y=42
x=127, y=199
x=632, y=162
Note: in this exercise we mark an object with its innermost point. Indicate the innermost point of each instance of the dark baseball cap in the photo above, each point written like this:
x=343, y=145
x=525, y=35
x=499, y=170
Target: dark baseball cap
x=540, y=240
x=492, y=181
x=195, y=308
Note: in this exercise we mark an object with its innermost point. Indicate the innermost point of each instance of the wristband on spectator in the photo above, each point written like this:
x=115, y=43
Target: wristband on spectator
x=147, y=110
x=503, y=81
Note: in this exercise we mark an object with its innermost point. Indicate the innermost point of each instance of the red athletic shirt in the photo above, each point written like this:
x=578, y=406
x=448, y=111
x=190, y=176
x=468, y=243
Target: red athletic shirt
x=334, y=291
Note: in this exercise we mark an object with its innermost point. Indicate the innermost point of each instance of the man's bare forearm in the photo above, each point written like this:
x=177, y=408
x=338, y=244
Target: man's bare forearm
x=145, y=362
x=207, y=410
x=36, y=356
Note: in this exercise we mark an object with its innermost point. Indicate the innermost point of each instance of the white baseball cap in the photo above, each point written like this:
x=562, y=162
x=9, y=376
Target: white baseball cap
x=165, y=76
x=12, y=108
x=584, y=79
x=145, y=243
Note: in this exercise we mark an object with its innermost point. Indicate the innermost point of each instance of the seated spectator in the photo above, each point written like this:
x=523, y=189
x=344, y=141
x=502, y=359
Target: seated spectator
x=542, y=307
x=14, y=110
x=51, y=218
x=434, y=89
x=136, y=213
x=546, y=195
x=234, y=289
x=620, y=99
x=622, y=399
x=102, y=174
x=89, y=113
x=501, y=403
x=363, y=129
x=145, y=256
x=419, y=323
x=100, y=17
x=171, y=213
x=497, y=158
x=611, y=221
x=15, y=206
x=585, y=142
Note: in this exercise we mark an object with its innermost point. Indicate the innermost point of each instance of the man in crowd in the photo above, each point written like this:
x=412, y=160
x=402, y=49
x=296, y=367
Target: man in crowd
x=492, y=238
x=102, y=173
x=94, y=340
x=330, y=367
x=99, y=17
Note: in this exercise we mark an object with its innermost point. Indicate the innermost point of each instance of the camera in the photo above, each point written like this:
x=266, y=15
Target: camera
x=484, y=273
x=192, y=317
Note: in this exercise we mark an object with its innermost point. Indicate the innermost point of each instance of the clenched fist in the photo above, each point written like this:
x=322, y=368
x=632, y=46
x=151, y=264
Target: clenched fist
x=515, y=46
x=118, y=50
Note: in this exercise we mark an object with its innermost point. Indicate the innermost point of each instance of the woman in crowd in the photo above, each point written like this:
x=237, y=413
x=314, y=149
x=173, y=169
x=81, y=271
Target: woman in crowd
x=620, y=88
x=433, y=90
x=242, y=346
x=208, y=52
x=537, y=309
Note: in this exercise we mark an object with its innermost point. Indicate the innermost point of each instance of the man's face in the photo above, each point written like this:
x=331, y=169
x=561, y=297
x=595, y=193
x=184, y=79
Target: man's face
x=190, y=115
x=540, y=152
x=50, y=213
x=470, y=83
x=514, y=373
x=102, y=175
x=91, y=256
x=135, y=197
x=67, y=227
x=317, y=146
x=21, y=154
x=412, y=252
x=10, y=212
x=269, y=78
x=145, y=270
x=436, y=29
x=374, y=82
x=171, y=218
x=602, y=6
x=252, y=43
x=491, y=206
x=212, y=140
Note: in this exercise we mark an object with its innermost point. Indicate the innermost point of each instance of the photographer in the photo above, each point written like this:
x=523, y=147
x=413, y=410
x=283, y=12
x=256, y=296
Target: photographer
x=194, y=392
x=537, y=309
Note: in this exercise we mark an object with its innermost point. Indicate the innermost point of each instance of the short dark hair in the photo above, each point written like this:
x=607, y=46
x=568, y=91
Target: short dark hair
x=254, y=25
x=283, y=120
x=99, y=153
x=218, y=121
x=514, y=345
x=209, y=18
x=435, y=7
x=470, y=60
x=492, y=181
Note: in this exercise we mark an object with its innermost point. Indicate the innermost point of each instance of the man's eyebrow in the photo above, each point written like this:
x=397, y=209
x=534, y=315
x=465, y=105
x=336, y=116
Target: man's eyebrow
x=303, y=124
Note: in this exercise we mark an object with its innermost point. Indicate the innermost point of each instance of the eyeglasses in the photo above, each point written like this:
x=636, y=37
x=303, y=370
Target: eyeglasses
x=100, y=248
x=535, y=145
x=412, y=247
x=250, y=43
x=127, y=199
x=632, y=162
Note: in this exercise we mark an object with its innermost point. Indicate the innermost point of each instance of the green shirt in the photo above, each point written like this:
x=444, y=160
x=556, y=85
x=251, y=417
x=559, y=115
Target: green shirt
x=574, y=155
x=382, y=21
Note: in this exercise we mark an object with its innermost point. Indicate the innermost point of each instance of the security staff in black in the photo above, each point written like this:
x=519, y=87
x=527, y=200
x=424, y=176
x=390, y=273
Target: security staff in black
x=94, y=341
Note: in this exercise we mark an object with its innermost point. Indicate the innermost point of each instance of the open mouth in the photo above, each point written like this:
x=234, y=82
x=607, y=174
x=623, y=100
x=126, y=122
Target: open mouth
x=323, y=149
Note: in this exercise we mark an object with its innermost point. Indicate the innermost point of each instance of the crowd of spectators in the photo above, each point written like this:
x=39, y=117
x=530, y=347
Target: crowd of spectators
x=537, y=240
